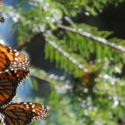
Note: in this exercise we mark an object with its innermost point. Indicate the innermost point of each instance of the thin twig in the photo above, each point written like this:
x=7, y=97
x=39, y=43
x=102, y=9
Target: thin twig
x=95, y=38
x=31, y=40
x=43, y=75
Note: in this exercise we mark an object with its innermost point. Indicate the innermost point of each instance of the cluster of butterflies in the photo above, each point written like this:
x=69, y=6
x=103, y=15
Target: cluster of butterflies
x=1, y=18
x=13, y=71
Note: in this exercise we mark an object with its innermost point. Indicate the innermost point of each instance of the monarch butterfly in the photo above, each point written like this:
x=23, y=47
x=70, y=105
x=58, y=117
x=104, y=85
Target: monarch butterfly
x=9, y=81
x=10, y=57
x=22, y=113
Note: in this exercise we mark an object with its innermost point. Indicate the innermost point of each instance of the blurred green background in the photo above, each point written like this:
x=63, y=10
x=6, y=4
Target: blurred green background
x=77, y=54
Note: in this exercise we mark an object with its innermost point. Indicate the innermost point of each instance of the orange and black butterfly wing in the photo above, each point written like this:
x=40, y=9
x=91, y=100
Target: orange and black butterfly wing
x=9, y=81
x=4, y=61
x=10, y=57
x=23, y=113
x=19, y=59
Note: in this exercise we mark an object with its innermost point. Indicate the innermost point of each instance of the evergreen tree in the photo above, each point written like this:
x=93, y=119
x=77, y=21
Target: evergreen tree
x=93, y=60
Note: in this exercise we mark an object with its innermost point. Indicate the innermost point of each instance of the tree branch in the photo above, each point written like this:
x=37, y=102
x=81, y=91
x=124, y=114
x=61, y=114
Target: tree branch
x=31, y=40
x=66, y=54
x=95, y=38
x=51, y=78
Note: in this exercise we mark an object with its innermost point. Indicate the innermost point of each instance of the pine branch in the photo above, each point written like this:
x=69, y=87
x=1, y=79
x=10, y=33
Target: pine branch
x=66, y=54
x=95, y=38
x=51, y=78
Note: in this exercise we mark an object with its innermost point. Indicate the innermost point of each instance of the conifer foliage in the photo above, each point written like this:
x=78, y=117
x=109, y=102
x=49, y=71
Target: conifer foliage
x=92, y=59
